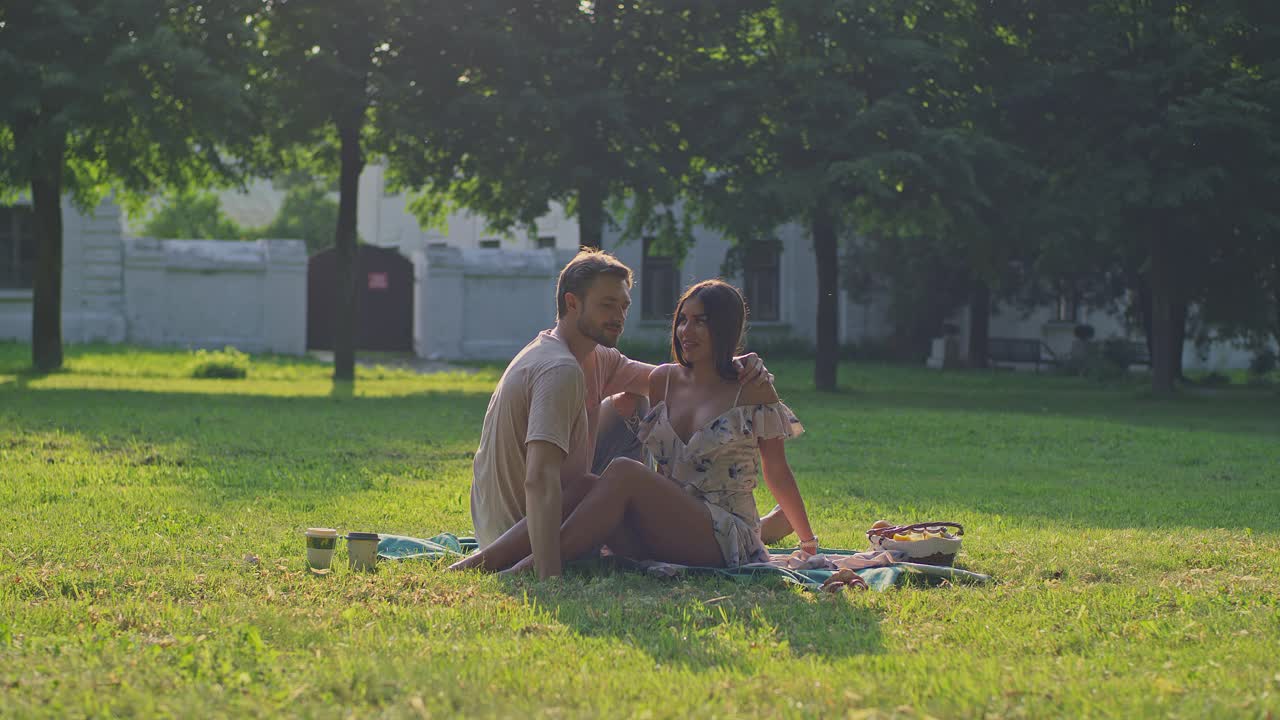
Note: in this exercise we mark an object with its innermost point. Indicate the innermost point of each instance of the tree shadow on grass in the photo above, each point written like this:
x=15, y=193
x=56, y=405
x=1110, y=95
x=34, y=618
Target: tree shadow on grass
x=706, y=623
x=230, y=449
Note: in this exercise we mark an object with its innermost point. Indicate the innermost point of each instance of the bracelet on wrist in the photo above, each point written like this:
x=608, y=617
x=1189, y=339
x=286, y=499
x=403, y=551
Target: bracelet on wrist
x=811, y=541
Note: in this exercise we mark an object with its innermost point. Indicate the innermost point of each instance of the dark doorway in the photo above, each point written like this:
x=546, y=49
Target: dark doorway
x=386, y=299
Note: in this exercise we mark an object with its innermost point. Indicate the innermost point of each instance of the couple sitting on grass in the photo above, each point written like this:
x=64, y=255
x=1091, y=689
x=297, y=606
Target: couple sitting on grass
x=560, y=472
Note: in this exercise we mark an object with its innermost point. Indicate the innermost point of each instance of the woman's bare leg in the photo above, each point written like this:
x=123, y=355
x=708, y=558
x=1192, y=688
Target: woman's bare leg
x=513, y=544
x=774, y=526
x=673, y=525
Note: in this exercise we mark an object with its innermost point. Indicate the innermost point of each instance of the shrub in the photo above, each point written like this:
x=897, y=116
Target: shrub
x=1264, y=363
x=1104, y=363
x=1215, y=379
x=779, y=346
x=1084, y=332
x=1119, y=352
x=227, y=363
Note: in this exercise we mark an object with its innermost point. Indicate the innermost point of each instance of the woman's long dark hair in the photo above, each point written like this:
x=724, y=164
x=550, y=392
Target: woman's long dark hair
x=726, y=318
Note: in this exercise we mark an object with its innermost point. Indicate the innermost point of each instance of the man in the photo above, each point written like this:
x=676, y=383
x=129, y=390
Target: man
x=540, y=430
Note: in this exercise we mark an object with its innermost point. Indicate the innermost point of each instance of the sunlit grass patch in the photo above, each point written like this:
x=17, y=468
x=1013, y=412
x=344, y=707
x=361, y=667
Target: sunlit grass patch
x=151, y=556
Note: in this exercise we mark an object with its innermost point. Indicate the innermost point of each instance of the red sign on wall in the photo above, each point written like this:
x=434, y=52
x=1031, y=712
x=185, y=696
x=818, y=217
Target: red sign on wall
x=378, y=281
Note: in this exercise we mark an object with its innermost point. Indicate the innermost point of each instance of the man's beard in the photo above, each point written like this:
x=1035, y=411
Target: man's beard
x=596, y=333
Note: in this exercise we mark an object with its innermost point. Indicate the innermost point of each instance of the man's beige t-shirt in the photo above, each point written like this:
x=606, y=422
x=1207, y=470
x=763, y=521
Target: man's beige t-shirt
x=543, y=395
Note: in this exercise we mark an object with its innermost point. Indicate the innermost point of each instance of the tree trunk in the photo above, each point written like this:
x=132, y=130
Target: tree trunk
x=825, y=252
x=1142, y=308
x=46, y=199
x=344, y=326
x=1275, y=301
x=1179, y=332
x=1160, y=280
x=979, y=323
x=590, y=215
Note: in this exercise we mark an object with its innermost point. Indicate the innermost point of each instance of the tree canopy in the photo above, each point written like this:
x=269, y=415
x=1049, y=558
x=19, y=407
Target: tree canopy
x=962, y=154
x=114, y=96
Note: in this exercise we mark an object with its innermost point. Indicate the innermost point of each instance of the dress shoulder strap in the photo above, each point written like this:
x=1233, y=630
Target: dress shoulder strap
x=666, y=392
x=737, y=397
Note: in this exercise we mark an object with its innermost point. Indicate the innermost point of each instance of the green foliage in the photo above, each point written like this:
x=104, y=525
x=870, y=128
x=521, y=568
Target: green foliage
x=1131, y=540
x=583, y=104
x=227, y=363
x=307, y=213
x=127, y=88
x=1174, y=210
x=192, y=215
x=117, y=96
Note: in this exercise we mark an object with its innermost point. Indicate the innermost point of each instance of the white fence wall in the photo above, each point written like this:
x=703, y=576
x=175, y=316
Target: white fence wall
x=189, y=293
x=483, y=304
x=211, y=293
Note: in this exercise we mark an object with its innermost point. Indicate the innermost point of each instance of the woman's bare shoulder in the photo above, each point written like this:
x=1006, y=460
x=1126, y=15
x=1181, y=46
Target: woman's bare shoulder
x=658, y=380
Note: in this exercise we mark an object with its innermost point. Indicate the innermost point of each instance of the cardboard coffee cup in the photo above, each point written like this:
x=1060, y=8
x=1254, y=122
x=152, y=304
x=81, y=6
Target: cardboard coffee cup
x=320, y=545
x=362, y=551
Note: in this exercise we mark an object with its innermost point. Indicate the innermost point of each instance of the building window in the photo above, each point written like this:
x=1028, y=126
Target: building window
x=546, y=241
x=659, y=283
x=761, y=283
x=491, y=244
x=17, y=247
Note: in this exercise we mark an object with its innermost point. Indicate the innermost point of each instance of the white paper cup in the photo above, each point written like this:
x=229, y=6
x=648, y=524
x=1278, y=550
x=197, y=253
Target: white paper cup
x=362, y=551
x=320, y=545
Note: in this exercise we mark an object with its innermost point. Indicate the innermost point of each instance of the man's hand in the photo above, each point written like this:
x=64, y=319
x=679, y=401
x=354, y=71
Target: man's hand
x=751, y=370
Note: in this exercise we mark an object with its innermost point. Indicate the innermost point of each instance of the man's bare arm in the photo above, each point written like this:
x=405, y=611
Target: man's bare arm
x=542, y=495
x=637, y=377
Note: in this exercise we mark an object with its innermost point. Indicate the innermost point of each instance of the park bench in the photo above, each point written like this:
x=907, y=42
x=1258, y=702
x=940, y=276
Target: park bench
x=1030, y=351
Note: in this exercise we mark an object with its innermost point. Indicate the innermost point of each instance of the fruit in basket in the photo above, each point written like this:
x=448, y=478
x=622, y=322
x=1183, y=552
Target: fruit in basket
x=881, y=524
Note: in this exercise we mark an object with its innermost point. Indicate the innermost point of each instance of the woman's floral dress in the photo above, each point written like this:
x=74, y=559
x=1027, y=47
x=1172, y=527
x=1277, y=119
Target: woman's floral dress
x=720, y=466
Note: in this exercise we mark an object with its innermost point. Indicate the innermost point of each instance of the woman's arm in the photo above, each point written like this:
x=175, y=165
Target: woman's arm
x=782, y=484
x=658, y=384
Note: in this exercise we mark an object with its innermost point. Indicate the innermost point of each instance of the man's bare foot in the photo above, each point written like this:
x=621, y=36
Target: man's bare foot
x=525, y=565
x=474, y=560
x=774, y=526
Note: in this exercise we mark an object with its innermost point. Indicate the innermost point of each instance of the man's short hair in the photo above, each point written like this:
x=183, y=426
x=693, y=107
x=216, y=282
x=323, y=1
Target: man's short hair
x=582, y=270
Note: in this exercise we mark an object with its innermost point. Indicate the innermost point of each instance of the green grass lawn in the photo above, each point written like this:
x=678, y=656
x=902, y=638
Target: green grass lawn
x=1136, y=543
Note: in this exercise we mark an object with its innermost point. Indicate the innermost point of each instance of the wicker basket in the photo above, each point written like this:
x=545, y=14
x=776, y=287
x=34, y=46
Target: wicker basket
x=930, y=551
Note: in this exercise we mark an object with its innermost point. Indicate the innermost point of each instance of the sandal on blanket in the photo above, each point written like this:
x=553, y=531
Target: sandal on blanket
x=842, y=579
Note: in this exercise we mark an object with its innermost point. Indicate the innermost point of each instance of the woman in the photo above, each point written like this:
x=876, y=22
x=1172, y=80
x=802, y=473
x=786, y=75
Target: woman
x=709, y=436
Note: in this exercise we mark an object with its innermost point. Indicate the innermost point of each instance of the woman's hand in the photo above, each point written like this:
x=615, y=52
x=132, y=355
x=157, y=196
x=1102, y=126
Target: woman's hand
x=751, y=369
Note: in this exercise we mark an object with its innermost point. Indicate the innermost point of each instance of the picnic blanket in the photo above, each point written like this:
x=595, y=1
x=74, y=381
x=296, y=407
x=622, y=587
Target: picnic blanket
x=880, y=570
